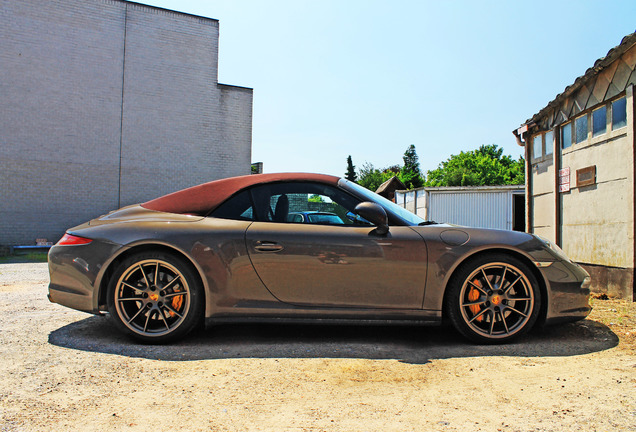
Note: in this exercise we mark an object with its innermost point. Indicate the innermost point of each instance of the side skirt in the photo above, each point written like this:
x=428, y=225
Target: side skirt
x=428, y=318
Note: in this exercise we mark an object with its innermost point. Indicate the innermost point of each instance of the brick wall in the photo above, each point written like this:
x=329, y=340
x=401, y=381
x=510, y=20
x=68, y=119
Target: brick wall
x=105, y=103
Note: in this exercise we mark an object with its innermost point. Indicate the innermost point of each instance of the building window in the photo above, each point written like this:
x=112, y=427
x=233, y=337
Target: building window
x=549, y=141
x=619, y=113
x=537, y=147
x=580, y=125
x=599, y=121
x=566, y=135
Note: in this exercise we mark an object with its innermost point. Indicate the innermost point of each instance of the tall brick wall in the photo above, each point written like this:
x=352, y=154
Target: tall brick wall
x=236, y=128
x=105, y=103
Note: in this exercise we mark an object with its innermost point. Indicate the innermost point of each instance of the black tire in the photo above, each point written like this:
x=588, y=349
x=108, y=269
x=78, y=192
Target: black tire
x=493, y=298
x=155, y=297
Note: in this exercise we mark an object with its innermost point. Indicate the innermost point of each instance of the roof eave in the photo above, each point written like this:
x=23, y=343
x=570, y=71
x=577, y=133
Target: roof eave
x=599, y=65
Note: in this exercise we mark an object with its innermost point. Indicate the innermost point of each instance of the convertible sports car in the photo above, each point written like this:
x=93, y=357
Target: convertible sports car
x=226, y=251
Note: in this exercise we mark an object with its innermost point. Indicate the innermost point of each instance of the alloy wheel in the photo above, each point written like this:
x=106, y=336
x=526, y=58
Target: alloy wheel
x=152, y=297
x=496, y=300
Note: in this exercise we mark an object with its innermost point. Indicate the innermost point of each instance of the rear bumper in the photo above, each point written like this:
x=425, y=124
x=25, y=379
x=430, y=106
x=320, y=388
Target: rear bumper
x=70, y=298
x=74, y=273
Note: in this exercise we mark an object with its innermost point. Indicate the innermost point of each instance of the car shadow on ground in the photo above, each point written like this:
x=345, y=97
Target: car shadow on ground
x=409, y=344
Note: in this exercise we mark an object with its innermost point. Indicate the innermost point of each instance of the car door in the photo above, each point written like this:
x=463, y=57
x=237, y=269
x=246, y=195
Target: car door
x=332, y=264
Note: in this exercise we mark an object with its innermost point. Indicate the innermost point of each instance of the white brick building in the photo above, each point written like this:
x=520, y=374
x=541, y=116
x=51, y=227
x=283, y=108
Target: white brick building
x=104, y=103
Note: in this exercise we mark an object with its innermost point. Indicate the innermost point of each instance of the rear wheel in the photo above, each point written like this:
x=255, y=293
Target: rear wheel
x=155, y=297
x=493, y=299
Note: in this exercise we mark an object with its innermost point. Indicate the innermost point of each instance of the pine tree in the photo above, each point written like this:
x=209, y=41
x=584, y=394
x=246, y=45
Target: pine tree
x=410, y=172
x=351, y=171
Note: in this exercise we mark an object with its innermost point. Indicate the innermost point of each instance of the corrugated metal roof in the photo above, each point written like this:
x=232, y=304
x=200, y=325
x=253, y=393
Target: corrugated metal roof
x=599, y=65
x=470, y=188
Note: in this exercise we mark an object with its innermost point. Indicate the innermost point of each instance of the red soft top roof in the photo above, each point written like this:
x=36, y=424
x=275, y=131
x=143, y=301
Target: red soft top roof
x=206, y=197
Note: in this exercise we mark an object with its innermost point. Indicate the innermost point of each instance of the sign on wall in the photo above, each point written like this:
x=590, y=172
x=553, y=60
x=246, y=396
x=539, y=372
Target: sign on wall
x=564, y=179
x=586, y=176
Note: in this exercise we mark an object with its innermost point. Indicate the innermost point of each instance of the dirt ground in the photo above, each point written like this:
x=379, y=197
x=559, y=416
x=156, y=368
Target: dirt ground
x=64, y=370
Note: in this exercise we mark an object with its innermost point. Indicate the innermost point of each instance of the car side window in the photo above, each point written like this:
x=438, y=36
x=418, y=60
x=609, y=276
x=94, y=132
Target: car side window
x=314, y=209
x=239, y=207
x=304, y=203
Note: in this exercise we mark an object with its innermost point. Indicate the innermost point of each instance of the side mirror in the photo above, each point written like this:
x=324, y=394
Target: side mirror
x=375, y=214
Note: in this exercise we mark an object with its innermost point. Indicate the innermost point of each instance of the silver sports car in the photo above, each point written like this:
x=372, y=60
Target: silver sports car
x=227, y=251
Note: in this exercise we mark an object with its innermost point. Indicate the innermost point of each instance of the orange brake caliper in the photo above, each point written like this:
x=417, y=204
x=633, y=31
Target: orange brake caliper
x=473, y=295
x=177, y=302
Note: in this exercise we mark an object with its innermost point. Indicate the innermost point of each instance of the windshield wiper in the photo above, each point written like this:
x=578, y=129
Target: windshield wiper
x=427, y=223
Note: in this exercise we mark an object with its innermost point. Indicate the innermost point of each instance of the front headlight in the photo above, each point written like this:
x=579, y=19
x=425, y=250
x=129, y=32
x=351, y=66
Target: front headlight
x=556, y=250
x=587, y=282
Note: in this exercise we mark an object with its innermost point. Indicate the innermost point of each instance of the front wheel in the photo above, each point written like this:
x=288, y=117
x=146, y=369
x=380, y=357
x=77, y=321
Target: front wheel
x=155, y=297
x=493, y=299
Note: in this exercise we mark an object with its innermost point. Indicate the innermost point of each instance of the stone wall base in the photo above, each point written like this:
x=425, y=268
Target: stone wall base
x=613, y=281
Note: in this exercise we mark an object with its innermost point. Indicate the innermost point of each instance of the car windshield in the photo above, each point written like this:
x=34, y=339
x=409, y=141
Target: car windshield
x=327, y=218
x=389, y=206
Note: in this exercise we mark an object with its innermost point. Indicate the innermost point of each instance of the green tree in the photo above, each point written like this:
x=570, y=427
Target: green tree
x=371, y=178
x=486, y=166
x=315, y=198
x=410, y=173
x=351, y=170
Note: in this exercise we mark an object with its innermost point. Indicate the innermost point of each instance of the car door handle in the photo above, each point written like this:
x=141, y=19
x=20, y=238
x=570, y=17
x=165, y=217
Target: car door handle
x=267, y=246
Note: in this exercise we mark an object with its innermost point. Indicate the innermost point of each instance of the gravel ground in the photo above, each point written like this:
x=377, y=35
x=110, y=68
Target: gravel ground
x=64, y=370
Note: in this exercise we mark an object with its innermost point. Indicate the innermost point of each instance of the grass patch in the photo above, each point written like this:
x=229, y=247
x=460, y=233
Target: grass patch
x=27, y=257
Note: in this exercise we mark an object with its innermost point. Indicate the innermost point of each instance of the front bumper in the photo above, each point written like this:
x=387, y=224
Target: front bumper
x=569, y=292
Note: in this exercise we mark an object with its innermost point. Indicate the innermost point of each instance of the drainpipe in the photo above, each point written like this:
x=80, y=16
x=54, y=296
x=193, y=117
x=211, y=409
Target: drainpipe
x=521, y=137
x=631, y=94
x=519, y=134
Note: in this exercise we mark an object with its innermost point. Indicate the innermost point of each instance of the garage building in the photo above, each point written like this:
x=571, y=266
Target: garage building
x=580, y=170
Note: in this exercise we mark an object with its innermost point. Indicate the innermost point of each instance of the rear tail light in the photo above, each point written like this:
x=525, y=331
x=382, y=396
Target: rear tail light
x=70, y=239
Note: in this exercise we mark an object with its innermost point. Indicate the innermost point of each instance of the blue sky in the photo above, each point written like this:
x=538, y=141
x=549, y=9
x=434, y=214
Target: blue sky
x=369, y=78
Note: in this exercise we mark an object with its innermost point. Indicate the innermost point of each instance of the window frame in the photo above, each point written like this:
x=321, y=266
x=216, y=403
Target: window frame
x=572, y=126
x=540, y=145
x=545, y=143
x=547, y=140
x=604, y=130
x=612, y=104
x=222, y=210
x=260, y=203
x=578, y=120
x=562, y=130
